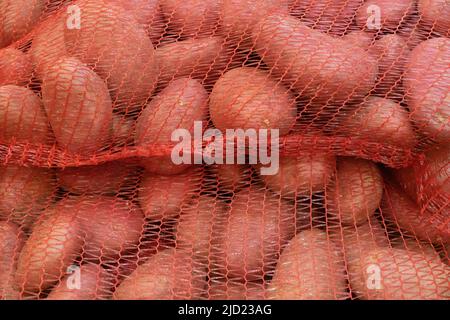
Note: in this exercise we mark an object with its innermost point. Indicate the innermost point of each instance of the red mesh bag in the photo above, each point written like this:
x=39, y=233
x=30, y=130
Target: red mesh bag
x=232, y=149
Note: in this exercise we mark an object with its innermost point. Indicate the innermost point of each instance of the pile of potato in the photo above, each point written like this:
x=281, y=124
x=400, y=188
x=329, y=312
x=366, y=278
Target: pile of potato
x=103, y=84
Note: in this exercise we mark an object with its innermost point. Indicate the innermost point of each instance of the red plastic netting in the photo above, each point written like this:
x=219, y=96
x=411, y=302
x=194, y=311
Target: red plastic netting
x=116, y=179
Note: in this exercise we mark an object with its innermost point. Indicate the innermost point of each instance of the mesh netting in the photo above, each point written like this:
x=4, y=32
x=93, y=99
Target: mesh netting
x=108, y=107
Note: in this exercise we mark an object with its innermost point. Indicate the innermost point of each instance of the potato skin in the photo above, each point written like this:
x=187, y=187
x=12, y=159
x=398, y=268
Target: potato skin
x=178, y=106
x=204, y=59
x=15, y=67
x=231, y=177
x=380, y=120
x=11, y=243
x=192, y=17
x=359, y=38
x=25, y=192
x=314, y=64
x=435, y=13
x=356, y=191
x=17, y=18
x=130, y=71
x=54, y=243
x=303, y=175
x=168, y=275
x=309, y=268
x=405, y=213
x=122, y=130
x=78, y=106
x=107, y=178
x=23, y=117
x=233, y=290
x=246, y=98
x=392, y=13
x=404, y=275
x=247, y=244
x=426, y=85
x=95, y=284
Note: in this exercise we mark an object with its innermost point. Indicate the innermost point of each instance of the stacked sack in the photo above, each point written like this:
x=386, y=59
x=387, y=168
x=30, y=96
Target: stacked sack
x=93, y=205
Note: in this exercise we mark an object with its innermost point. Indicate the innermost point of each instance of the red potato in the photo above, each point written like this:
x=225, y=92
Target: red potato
x=88, y=282
x=360, y=39
x=380, y=120
x=48, y=45
x=192, y=17
x=232, y=177
x=356, y=192
x=435, y=13
x=392, y=54
x=163, y=197
x=204, y=59
x=122, y=130
x=246, y=98
x=239, y=17
x=130, y=71
x=301, y=176
x=17, y=18
x=11, y=243
x=194, y=231
x=247, y=244
x=107, y=178
x=178, y=106
x=78, y=106
x=53, y=245
x=427, y=88
x=397, y=274
x=15, y=67
x=170, y=274
x=392, y=14
x=22, y=116
x=415, y=245
x=111, y=225
x=310, y=267
x=406, y=214
x=232, y=290
x=312, y=63
x=330, y=16
x=25, y=192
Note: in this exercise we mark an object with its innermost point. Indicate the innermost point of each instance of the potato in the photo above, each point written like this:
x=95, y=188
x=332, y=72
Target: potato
x=392, y=54
x=78, y=106
x=310, y=267
x=48, y=45
x=247, y=244
x=194, y=231
x=392, y=13
x=106, y=178
x=356, y=192
x=111, y=225
x=95, y=283
x=11, y=242
x=303, y=175
x=130, y=71
x=178, y=106
x=314, y=64
x=426, y=86
x=360, y=39
x=122, y=130
x=23, y=117
x=239, y=17
x=15, y=67
x=411, y=244
x=17, y=18
x=246, y=98
x=204, y=59
x=163, y=197
x=192, y=17
x=233, y=290
x=380, y=120
x=232, y=177
x=330, y=16
x=25, y=192
x=435, y=13
x=169, y=274
x=53, y=245
x=405, y=213
x=397, y=274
